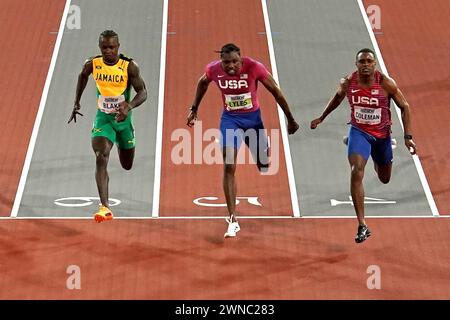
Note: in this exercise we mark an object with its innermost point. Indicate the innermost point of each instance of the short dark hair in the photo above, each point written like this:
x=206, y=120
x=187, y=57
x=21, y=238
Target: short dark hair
x=228, y=48
x=365, y=50
x=108, y=34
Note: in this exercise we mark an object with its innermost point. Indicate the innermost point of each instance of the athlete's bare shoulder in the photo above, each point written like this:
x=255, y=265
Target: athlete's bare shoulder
x=385, y=78
x=344, y=83
x=134, y=75
x=133, y=66
x=388, y=84
x=88, y=65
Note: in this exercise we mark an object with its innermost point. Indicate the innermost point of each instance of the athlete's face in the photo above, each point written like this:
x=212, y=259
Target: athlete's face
x=110, y=49
x=231, y=62
x=365, y=62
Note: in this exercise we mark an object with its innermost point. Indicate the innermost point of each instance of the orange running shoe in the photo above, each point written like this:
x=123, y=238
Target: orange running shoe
x=103, y=214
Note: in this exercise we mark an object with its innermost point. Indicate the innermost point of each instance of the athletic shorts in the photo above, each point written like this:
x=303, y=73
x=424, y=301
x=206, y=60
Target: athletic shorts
x=364, y=144
x=247, y=127
x=121, y=133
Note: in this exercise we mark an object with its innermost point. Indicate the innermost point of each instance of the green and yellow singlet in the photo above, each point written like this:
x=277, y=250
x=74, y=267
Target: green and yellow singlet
x=111, y=82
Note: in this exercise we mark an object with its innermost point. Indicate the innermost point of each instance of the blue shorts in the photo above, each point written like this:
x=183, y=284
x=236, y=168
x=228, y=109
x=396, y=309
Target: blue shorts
x=247, y=127
x=364, y=144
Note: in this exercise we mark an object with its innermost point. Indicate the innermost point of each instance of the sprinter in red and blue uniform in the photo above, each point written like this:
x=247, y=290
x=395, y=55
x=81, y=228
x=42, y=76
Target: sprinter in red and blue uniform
x=369, y=93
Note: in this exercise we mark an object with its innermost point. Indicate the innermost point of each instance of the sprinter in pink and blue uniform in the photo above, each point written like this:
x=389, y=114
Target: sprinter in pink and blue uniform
x=237, y=78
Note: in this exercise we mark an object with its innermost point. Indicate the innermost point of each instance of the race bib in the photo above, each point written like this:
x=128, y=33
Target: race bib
x=110, y=104
x=238, y=101
x=367, y=115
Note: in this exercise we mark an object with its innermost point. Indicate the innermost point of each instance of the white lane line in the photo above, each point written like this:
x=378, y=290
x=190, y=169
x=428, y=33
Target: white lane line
x=284, y=134
x=37, y=121
x=151, y=218
x=159, y=126
x=374, y=217
x=422, y=177
x=223, y=217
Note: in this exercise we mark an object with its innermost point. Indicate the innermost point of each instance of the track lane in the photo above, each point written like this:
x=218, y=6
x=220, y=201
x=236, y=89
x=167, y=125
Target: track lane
x=196, y=29
x=414, y=42
x=27, y=29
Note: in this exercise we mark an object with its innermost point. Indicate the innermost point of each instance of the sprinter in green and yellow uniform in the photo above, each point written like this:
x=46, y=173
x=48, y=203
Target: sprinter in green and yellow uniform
x=114, y=75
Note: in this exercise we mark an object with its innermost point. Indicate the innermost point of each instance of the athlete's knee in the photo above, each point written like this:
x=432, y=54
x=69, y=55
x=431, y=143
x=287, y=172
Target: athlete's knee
x=126, y=157
x=384, y=179
x=101, y=157
x=384, y=173
x=357, y=172
x=127, y=166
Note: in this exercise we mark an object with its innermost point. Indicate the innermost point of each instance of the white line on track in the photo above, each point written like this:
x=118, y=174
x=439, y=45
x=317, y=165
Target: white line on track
x=37, y=122
x=422, y=177
x=284, y=134
x=223, y=217
x=159, y=126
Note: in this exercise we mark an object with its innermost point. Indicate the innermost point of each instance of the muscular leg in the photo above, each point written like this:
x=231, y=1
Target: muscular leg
x=229, y=182
x=357, y=164
x=126, y=157
x=102, y=147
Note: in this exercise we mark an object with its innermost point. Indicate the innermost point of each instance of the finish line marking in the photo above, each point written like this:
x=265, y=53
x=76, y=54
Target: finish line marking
x=223, y=217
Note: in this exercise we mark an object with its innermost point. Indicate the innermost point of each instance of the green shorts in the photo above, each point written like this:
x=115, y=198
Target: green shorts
x=121, y=133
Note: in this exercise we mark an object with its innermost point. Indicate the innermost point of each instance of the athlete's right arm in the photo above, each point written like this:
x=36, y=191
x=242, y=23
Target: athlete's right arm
x=202, y=87
x=83, y=78
x=333, y=103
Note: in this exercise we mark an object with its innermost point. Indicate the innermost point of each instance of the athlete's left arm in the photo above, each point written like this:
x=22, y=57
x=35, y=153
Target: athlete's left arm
x=392, y=89
x=274, y=89
x=134, y=77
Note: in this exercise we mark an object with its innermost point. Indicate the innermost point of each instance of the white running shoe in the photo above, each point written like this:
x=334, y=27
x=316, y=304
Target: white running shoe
x=233, y=228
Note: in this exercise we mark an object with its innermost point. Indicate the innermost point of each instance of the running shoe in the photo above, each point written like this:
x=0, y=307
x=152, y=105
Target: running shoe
x=103, y=214
x=363, y=234
x=233, y=228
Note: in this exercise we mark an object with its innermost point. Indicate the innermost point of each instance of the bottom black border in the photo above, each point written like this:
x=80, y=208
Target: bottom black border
x=225, y=309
